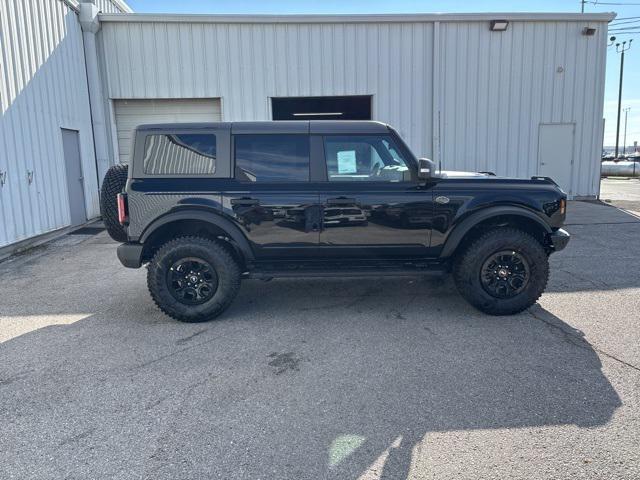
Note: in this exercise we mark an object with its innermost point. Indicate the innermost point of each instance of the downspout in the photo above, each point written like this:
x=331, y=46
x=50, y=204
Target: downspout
x=90, y=26
x=435, y=99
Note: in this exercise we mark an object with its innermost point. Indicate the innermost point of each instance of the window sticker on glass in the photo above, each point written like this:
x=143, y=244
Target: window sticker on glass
x=347, y=161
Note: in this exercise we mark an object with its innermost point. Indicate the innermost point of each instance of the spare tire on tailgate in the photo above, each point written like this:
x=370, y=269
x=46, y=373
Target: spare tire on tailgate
x=113, y=184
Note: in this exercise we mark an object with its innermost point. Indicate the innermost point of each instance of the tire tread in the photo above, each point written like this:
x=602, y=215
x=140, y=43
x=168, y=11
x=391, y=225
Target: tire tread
x=114, y=182
x=467, y=259
x=232, y=280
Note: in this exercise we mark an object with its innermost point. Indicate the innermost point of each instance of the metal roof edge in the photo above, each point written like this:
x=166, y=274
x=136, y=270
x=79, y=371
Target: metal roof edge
x=72, y=4
x=123, y=5
x=355, y=18
x=75, y=5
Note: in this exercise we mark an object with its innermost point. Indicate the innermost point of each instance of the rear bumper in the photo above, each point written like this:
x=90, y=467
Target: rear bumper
x=559, y=239
x=130, y=255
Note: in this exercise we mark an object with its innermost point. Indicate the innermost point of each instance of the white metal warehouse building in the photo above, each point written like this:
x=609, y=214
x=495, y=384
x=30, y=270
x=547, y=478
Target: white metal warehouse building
x=523, y=101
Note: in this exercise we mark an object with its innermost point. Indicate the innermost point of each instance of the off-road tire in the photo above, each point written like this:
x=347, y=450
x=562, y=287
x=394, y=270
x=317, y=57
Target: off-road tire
x=113, y=184
x=468, y=265
x=226, y=268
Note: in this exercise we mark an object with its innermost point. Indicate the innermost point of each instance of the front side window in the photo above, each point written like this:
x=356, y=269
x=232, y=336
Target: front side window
x=180, y=154
x=272, y=158
x=368, y=158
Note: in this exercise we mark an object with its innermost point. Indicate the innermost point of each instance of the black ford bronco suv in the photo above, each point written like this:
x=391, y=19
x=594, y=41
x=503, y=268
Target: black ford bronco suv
x=206, y=205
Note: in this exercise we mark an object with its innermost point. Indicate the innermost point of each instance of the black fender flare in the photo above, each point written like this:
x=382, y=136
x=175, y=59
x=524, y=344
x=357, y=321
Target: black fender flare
x=232, y=230
x=461, y=229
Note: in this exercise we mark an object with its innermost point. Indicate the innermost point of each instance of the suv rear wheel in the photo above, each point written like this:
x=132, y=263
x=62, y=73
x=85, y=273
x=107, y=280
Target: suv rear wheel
x=503, y=272
x=193, y=279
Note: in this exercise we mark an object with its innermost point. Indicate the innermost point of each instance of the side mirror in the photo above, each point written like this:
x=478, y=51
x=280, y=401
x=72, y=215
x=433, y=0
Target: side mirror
x=426, y=168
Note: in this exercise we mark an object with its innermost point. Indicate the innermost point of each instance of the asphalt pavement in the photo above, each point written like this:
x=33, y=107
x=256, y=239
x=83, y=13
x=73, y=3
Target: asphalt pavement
x=322, y=378
x=622, y=192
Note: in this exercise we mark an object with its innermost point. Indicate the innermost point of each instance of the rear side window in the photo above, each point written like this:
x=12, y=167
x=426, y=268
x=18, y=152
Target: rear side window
x=272, y=158
x=180, y=154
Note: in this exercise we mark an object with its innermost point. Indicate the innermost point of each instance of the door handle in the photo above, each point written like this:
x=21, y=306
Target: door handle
x=341, y=201
x=244, y=202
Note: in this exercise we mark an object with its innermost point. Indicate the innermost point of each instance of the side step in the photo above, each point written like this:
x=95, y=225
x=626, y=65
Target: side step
x=268, y=270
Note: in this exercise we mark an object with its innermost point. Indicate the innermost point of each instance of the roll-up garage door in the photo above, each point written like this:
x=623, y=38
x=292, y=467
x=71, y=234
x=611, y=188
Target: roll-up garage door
x=131, y=113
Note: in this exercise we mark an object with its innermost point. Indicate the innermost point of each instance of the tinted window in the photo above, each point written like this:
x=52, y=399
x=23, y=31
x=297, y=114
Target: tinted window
x=180, y=154
x=272, y=158
x=372, y=158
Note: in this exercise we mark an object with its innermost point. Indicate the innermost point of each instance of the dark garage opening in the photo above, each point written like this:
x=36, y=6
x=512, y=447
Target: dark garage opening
x=354, y=107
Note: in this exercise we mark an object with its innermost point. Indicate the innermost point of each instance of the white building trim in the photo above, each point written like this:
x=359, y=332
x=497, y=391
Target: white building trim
x=382, y=18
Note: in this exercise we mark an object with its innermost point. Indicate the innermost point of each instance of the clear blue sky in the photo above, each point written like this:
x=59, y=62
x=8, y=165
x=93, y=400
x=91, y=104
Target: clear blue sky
x=624, y=8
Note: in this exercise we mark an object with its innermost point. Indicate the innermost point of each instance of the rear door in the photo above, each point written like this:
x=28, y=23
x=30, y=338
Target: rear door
x=373, y=203
x=272, y=198
x=75, y=180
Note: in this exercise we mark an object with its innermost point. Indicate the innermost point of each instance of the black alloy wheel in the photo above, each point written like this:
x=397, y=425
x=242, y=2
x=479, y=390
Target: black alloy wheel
x=192, y=281
x=504, y=274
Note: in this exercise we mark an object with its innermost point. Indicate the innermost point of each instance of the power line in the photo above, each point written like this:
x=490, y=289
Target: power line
x=611, y=3
x=628, y=22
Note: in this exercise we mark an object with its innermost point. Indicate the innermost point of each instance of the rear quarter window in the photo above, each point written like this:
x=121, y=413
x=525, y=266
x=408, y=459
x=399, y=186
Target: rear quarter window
x=180, y=154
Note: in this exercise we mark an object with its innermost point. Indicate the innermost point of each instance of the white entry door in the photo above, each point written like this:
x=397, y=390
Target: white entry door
x=555, y=153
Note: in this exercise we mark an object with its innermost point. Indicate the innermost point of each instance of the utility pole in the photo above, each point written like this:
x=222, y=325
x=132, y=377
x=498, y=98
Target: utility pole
x=620, y=48
x=582, y=2
x=624, y=144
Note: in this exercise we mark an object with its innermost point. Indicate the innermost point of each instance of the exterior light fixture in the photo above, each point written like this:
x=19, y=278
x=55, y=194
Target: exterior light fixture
x=589, y=31
x=499, y=25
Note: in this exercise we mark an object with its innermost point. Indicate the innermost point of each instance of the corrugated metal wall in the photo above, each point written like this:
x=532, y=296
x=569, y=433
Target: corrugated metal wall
x=246, y=64
x=496, y=89
x=42, y=88
x=491, y=89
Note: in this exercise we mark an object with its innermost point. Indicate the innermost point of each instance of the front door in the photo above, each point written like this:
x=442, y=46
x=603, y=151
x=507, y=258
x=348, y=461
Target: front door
x=373, y=203
x=75, y=180
x=272, y=199
x=555, y=152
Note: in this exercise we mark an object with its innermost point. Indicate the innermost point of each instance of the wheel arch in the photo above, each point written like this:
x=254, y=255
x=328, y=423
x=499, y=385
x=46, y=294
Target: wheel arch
x=200, y=222
x=474, y=225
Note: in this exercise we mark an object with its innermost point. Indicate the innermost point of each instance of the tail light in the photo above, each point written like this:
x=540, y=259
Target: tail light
x=123, y=211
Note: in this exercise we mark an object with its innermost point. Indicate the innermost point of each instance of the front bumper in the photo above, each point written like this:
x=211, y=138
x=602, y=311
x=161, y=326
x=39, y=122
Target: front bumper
x=130, y=255
x=559, y=239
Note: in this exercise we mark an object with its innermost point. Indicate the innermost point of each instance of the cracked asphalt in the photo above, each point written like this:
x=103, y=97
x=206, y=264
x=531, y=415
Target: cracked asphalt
x=322, y=378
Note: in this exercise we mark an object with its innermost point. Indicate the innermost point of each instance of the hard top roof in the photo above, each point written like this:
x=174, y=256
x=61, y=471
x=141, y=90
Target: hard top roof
x=280, y=126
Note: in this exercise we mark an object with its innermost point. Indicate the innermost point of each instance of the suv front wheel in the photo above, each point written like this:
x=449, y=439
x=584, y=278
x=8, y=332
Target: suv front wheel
x=193, y=279
x=503, y=272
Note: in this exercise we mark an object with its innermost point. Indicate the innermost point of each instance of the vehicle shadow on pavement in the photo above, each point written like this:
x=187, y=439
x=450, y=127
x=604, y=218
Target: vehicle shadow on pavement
x=299, y=379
